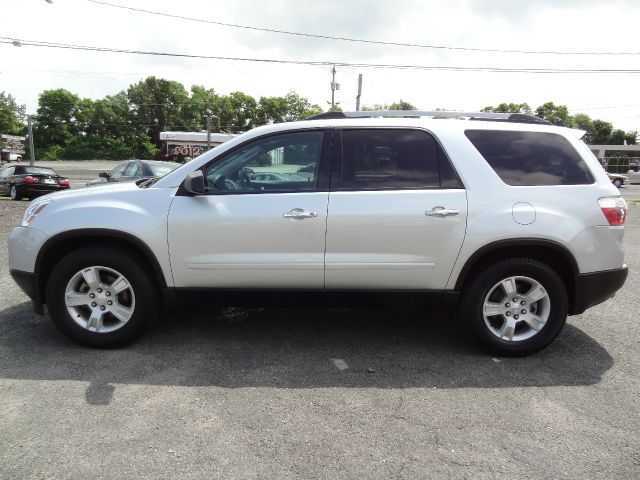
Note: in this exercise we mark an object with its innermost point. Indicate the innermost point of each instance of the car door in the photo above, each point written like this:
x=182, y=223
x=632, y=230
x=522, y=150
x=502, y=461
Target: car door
x=131, y=173
x=4, y=180
x=248, y=234
x=397, y=212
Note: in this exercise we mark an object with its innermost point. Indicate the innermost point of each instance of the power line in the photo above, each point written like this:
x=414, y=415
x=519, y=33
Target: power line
x=37, y=43
x=354, y=40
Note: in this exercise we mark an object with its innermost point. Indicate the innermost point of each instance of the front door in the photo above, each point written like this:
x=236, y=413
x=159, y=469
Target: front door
x=262, y=222
x=397, y=212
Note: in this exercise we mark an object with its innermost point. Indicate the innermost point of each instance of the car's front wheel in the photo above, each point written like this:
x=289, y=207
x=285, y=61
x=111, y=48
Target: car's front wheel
x=618, y=183
x=102, y=298
x=517, y=306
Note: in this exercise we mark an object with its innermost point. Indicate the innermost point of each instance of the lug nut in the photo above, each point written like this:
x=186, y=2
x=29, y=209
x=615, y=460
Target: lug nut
x=523, y=311
x=102, y=307
x=99, y=290
x=508, y=314
x=109, y=294
x=515, y=299
x=507, y=304
x=523, y=302
x=111, y=303
x=516, y=317
x=94, y=304
x=92, y=295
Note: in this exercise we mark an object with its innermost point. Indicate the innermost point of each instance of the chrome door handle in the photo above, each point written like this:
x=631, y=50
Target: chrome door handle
x=299, y=213
x=441, y=212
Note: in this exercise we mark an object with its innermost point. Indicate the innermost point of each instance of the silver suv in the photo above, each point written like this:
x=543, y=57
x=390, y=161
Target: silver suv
x=504, y=216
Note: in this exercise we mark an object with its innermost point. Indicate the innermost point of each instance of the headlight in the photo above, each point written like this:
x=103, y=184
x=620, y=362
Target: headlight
x=33, y=211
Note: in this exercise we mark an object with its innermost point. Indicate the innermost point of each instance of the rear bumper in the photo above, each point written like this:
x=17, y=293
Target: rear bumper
x=593, y=288
x=36, y=189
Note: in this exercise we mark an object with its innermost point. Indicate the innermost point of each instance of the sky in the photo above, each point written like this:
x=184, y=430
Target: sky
x=539, y=26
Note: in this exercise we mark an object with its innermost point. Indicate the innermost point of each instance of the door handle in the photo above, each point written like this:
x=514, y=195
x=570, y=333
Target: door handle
x=298, y=213
x=441, y=212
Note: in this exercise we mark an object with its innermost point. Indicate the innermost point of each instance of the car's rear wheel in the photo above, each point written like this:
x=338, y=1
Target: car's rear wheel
x=516, y=307
x=101, y=298
x=617, y=182
x=14, y=193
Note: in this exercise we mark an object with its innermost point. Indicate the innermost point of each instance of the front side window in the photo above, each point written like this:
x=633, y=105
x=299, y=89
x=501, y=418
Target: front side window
x=285, y=163
x=375, y=159
x=531, y=158
x=118, y=170
x=133, y=170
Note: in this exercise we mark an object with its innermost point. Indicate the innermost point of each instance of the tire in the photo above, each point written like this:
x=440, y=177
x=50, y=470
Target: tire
x=14, y=193
x=102, y=298
x=618, y=183
x=515, y=328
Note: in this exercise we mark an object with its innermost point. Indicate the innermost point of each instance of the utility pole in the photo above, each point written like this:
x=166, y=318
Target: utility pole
x=208, y=117
x=334, y=86
x=32, y=152
x=359, y=92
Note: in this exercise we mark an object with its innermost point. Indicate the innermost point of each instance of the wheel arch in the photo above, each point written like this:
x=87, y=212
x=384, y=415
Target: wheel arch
x=60, y=245
x=558, y=257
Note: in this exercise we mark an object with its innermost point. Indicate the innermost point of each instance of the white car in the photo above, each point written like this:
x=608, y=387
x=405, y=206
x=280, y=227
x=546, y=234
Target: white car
x=509, y=219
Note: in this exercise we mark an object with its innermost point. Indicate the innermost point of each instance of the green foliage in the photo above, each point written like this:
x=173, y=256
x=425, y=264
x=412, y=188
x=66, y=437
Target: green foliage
x=399, y=105
x=510, y=108
x=12, y=115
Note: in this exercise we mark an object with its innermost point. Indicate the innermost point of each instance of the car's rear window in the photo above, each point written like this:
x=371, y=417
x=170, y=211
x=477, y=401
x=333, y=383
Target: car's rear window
x=161, y=169
x=531, y=158
x=39, y=171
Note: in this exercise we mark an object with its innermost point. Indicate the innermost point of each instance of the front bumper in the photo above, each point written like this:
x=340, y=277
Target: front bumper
x=593, y=288
x=30, y=284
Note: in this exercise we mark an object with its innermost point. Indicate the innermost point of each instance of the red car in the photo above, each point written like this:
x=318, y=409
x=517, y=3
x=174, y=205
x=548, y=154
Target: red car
x=18, y=181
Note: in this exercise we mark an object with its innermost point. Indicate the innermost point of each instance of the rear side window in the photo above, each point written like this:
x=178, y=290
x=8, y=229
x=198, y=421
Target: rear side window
x=531, y=158
x=379, y=159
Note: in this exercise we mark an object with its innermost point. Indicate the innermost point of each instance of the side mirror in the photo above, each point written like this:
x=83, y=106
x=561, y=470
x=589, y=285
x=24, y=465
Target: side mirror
x=103, y=175
x=194, y=183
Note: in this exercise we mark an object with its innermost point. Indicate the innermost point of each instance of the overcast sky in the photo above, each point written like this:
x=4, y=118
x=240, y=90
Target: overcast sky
x=542, y=25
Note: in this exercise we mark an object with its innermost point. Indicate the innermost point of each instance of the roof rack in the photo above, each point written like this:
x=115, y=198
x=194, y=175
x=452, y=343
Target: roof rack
x=484, y=116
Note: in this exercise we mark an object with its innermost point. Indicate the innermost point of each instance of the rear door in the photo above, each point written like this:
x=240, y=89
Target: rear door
x=397, y=212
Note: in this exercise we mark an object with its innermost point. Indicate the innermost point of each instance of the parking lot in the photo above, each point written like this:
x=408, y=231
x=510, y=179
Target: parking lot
x=319, y=393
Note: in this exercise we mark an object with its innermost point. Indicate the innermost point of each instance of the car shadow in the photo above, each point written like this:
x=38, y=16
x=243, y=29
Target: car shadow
x=293, y=348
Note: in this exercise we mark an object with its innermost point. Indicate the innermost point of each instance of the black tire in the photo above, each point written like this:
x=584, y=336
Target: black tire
x=145, y=292
x=14, y=193
x=618, y=183
x=484, y=283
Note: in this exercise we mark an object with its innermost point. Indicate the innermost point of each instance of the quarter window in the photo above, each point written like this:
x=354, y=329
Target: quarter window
x=379, y=159
x=531, y=158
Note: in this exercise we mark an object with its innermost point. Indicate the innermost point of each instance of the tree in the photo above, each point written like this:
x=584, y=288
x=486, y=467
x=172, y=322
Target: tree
x=289, y=108
x=159, y=105
x=12, y=115
x=399, y=105
x=56, y=121
x=510, y=108
x=601, y=132
x=556, y=114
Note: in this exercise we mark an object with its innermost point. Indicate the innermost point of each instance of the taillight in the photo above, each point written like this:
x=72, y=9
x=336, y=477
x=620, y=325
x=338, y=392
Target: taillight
x=64, y=182
x=30, y=179
x=615, y=209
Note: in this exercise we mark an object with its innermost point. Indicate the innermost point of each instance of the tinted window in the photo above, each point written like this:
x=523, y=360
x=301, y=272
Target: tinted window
x=531, y=158
x=392, y=159
x=39, y=171
x=118, y=170
x=133, y=170
x=285, y=163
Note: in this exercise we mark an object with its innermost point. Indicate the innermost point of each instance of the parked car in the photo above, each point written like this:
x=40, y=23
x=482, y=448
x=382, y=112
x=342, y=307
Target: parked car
x=18, y=181
x=133, y=170
x=617, y=179
x=504, y=217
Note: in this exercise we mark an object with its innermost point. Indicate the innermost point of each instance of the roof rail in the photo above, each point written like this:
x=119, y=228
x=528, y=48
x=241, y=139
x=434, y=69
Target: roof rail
x=486, y=116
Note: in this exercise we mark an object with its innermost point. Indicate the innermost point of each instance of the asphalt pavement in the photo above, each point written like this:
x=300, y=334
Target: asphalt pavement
x=319, y=393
